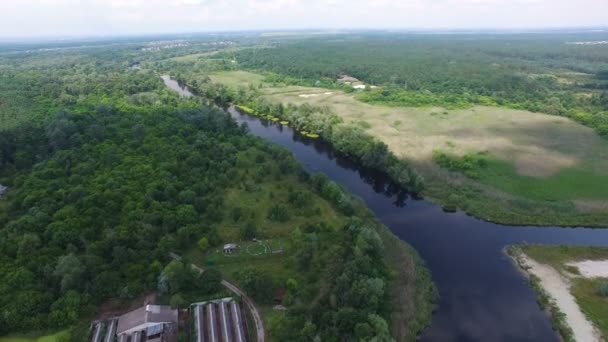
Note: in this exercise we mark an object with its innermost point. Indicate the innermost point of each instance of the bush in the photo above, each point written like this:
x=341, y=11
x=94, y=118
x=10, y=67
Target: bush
x=249, y=231
x=177, y=301
x=203, y=244
x=258, y=284
x=469, y=164
x=602, y=289
x=278, y=213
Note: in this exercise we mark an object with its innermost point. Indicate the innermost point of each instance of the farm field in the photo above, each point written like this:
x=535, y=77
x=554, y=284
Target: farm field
x=554, y=163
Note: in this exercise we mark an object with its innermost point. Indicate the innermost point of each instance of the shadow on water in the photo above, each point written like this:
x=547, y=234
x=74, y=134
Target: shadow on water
x=483, y=297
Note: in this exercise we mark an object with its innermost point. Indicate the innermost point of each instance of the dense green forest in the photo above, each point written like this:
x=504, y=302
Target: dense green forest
x=541, y=73
x=108, y=171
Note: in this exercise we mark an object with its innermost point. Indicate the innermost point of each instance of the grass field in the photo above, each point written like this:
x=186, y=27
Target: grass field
x=545, y=162
x=237, y=78
x=57, y=337
x=585, y=290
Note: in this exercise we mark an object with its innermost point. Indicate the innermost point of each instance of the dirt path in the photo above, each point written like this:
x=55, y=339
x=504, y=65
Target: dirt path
x=257, y=318
x=558, y=289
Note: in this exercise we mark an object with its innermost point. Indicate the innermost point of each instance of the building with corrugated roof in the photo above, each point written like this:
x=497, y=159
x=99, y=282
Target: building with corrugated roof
x=148, y=322
x=219, y=320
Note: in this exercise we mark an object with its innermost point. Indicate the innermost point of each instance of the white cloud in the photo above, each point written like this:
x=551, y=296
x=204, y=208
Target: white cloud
x=80, y=17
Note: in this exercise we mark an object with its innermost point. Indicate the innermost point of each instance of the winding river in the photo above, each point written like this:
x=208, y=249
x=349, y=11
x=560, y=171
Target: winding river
x=483, y=297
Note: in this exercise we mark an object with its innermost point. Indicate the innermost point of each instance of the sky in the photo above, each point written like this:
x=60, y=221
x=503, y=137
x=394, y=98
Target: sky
x=38, y=18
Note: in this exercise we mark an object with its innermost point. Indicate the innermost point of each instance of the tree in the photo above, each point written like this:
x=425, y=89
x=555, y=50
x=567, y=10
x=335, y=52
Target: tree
x=176, y=277
x=203, y=244
x=258, y=284
x=278, y=213
x=177, y=301
x=71, y=271
x=61, y=132
x=248, y=231
x=210, y=281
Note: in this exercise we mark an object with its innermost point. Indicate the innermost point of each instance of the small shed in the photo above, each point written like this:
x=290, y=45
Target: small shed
x=230, y=248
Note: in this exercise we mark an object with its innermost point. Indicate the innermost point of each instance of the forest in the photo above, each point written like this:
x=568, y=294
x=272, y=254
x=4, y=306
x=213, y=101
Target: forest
x=438, y=101
x=108, y=172
x=540, y=73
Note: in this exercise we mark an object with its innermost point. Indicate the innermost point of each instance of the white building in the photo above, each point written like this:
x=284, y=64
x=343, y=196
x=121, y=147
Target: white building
x=230, y=248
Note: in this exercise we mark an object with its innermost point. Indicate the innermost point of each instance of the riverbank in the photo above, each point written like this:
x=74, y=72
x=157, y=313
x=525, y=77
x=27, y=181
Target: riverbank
x=409, y=286
x=464, y=254
x=573, y=300
x=410, y=301
x=530, y=176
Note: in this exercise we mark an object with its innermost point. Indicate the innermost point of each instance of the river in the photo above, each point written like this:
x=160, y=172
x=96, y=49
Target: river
x=483, y=296
x=183, y=91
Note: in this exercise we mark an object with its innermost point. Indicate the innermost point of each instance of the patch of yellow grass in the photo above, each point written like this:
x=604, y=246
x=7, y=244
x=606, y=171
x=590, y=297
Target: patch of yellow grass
x=539, y=145
x=236, y=78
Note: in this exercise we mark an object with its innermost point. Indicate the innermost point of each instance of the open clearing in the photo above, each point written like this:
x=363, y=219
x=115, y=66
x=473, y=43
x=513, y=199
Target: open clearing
x=546, y=162
x=236, y=78
x=591, y=268
x=537, y=156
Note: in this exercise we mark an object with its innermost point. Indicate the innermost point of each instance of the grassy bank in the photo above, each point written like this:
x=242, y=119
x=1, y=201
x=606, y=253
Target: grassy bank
x=411, y=303
x=56, y=337
x=587, y=291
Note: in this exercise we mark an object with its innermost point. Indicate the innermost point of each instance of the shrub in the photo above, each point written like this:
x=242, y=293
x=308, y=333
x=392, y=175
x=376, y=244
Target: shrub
x=203, y=244
x=248, y=231
x=602, y=289
x=278, y=213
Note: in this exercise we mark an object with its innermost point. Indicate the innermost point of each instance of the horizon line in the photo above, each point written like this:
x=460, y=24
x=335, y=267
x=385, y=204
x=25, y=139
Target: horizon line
x=445, y=30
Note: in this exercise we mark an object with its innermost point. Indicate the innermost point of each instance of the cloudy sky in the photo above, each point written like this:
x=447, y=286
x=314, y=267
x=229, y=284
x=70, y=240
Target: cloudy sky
x=19, y=18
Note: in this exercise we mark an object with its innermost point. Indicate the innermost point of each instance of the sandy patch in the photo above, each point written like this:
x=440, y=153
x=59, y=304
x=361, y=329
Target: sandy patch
x=305, y=96
x=591, y=268
x=558, y=288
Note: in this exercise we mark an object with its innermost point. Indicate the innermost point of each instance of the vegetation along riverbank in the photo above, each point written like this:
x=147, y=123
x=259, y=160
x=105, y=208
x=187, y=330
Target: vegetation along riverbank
x=480, y=143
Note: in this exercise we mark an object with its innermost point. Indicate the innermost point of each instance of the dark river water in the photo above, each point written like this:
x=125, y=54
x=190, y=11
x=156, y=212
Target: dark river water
x=483, y=297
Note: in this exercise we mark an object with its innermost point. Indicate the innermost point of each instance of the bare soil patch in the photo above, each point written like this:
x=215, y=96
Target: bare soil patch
x=591, y=268
x=558, y=288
